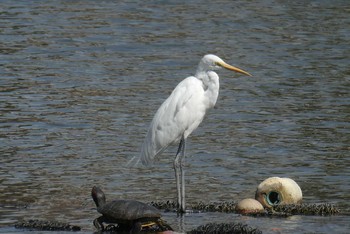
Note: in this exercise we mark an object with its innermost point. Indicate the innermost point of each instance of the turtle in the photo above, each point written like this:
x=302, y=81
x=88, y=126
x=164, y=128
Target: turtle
x=129, y=215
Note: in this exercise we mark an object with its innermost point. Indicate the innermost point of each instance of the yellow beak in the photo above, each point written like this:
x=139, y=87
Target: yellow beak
x=232, y=68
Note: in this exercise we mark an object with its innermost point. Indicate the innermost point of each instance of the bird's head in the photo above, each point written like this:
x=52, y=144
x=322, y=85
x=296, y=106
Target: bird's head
x=212, y=62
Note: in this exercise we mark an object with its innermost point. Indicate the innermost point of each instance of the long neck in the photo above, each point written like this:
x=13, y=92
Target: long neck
x=202, y=68
x=211, y=85
x=99, y=199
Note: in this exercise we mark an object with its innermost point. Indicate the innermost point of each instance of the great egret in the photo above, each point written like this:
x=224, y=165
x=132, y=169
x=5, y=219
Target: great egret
x=181, y=113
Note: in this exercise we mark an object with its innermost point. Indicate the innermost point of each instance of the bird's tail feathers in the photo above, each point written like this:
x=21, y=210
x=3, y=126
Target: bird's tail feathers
x=147, y=154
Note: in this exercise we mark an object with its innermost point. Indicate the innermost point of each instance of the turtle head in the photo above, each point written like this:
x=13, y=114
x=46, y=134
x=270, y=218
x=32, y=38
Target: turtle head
x=98, y=196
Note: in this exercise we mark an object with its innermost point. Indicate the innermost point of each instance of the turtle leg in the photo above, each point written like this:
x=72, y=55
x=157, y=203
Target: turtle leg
x=163, y=225
x=136, y=227
x=180, y=176
x=98, y=223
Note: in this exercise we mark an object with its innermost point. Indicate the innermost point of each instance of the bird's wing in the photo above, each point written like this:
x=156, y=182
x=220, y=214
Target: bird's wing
x=176, y=115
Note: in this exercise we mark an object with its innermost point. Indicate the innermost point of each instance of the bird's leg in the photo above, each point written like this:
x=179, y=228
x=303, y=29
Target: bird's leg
x=183, y=208
x=180, y=176
x=177, y=176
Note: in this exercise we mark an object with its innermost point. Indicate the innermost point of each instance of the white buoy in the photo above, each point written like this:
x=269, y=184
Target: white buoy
x=249, y=206
x=278, y=191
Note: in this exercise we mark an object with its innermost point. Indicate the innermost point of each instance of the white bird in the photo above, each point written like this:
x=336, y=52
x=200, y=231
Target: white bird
x=181, y=113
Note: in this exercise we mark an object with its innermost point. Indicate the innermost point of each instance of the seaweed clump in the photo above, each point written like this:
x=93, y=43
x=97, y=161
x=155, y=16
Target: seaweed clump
x=41, y=225
x=320, y=209
x=225, y=228
x=227, y=207
x=167, y=205
x=307, y=209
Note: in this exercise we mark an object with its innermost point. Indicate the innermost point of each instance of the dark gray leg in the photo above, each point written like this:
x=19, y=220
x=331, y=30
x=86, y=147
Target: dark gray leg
x=180, y=176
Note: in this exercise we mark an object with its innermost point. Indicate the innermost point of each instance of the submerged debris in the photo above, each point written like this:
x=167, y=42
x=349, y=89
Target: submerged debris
x=225, y=228
x=41, y=225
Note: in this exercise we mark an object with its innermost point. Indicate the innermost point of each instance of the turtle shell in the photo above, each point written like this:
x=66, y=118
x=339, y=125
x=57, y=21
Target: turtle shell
x=128, y=211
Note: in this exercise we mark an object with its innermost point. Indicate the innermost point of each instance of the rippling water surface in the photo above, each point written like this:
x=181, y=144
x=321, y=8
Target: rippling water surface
x=81, y=80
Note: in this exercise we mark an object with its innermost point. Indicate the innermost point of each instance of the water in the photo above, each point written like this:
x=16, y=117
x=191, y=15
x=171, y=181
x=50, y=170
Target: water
x=81, y=80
